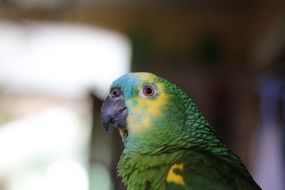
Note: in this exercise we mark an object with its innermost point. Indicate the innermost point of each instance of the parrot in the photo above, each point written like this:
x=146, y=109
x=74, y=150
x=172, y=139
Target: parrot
x=168, y=143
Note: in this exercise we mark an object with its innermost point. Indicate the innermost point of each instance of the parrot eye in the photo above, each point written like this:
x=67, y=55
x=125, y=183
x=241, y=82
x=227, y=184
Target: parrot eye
x=148, y=91
x=115, y=92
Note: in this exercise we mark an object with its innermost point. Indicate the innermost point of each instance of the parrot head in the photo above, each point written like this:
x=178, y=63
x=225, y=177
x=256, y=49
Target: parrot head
x=148, y=111
x=158, y=122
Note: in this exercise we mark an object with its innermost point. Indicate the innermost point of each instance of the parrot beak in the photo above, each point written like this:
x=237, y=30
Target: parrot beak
x=114, y=113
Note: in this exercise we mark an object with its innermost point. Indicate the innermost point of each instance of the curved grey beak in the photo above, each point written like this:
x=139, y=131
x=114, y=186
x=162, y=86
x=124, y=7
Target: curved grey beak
x=114, y=112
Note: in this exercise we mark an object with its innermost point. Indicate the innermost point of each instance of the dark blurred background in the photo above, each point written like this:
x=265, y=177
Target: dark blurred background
x=58, y=58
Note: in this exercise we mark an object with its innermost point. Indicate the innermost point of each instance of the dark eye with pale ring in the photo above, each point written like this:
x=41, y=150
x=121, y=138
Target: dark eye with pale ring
x=115, y=92
x=148, y=91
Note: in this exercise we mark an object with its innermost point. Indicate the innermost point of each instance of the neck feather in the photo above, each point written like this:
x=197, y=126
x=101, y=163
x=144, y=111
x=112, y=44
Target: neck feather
x=141, y=171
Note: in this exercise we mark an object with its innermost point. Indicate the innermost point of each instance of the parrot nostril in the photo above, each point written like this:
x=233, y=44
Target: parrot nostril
x=121, y=110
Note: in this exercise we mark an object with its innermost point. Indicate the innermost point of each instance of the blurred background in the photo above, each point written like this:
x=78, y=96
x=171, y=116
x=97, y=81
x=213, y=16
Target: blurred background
x=58, y=58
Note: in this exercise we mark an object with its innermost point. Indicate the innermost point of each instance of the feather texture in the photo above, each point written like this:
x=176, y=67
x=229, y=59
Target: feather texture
x=170, y=145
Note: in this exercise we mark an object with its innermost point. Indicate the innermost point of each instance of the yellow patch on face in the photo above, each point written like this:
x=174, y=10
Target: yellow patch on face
x=147, y=77
x=142, y=110
x=173, y=177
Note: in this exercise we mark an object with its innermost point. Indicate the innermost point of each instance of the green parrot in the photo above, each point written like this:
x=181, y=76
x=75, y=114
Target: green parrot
x=168, y=144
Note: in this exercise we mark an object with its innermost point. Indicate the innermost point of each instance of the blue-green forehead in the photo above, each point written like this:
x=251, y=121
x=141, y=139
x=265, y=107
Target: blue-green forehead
x=127, y=83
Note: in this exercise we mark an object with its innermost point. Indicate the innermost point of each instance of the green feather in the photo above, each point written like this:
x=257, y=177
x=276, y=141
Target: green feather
x=178, y=135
